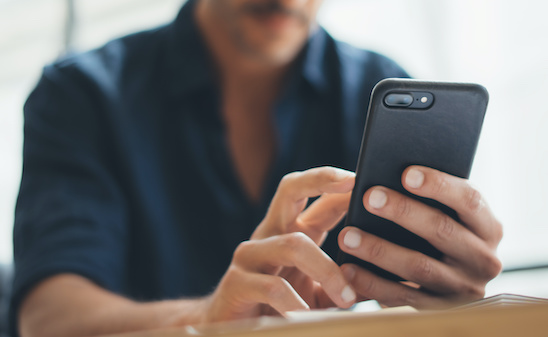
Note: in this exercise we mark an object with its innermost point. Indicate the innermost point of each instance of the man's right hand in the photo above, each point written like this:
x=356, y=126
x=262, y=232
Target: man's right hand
x=282, y=268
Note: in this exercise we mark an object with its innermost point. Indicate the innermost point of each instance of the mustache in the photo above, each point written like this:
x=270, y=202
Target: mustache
x=271, y=7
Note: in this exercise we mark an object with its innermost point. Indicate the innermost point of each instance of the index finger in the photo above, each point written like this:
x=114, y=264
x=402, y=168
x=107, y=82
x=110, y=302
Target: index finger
x=458, y=194
x=293, y=193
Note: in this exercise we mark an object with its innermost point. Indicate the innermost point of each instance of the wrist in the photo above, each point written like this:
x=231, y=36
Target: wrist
x=190, y=312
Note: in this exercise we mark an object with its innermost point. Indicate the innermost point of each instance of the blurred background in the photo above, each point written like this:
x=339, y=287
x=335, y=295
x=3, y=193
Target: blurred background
x=501, y=44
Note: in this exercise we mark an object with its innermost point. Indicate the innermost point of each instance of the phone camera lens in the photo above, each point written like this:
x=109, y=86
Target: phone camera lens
x=398, y=100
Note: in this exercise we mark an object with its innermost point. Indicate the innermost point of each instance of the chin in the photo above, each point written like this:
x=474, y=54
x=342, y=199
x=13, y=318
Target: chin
x=277, y=57
x=279, y=52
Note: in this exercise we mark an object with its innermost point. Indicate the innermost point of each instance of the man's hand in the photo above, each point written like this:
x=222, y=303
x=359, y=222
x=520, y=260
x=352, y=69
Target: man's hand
x=469, y=247
x=282, y=267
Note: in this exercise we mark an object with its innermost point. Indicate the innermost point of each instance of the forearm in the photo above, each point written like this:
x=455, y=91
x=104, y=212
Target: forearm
x=69, y=305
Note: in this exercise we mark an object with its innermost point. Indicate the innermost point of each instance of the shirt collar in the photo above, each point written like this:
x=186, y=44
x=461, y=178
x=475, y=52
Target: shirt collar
x=189, y=63
x=314, y=68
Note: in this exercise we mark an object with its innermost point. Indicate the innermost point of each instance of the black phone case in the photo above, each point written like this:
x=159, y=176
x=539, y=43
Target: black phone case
x=443, y=136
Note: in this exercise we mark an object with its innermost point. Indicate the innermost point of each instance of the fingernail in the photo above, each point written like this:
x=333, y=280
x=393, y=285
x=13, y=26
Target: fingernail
x=377, y=199
x=348, y=295
x=414, y=178
x=352, y=239
x=349, y=273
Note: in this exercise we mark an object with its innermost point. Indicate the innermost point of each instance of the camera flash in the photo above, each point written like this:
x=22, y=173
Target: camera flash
x=424, y=99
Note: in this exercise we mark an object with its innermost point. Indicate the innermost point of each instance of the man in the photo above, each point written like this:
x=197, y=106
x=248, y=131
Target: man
x=152, y=192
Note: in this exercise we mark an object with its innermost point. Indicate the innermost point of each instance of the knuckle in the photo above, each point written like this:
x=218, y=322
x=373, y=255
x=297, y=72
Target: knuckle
x=405, y=296
x=440, y=185
x=288, y=179
x=479, y=292
x=241, y=251
x=338, y=210
x=473, y=200
x=444, y=227
x=231, y=278
x=366, y=287
x=376, y=250
x=422, y=269
x=324, y=175
x=498, y=231
x=330, y=173
x=298, y=239
x=295, y=241
x=275, y=287
x=493, y=266
x=403, y=208
x=472, y=290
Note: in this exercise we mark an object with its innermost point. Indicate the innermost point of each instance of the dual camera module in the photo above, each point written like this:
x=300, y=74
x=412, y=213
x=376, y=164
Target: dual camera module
x=412, y=100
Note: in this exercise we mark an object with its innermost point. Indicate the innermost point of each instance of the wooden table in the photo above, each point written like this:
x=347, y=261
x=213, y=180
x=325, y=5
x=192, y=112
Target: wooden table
x=512, y=321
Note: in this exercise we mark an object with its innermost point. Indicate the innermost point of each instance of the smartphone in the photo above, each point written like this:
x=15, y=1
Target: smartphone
x=412, y=122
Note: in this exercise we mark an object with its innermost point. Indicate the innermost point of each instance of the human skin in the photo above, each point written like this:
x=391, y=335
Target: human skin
x=253, y=44
x=281, y=267
x=260, y=35
x=469, y=258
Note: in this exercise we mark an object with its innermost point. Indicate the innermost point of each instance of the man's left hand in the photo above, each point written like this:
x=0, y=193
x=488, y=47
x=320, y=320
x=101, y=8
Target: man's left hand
x=469, y=247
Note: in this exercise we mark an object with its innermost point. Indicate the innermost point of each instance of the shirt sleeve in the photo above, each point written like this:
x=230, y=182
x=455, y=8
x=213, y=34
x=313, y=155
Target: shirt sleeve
x=70, y=215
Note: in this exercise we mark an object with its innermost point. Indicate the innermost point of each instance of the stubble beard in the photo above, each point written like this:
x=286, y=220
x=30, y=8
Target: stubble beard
x=253, y=51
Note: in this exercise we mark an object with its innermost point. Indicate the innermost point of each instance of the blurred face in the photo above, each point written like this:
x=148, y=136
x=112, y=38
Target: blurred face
x=269, y=30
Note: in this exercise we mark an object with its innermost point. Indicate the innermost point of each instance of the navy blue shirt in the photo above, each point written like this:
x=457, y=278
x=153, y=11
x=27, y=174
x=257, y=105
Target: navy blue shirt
x=127, y=179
